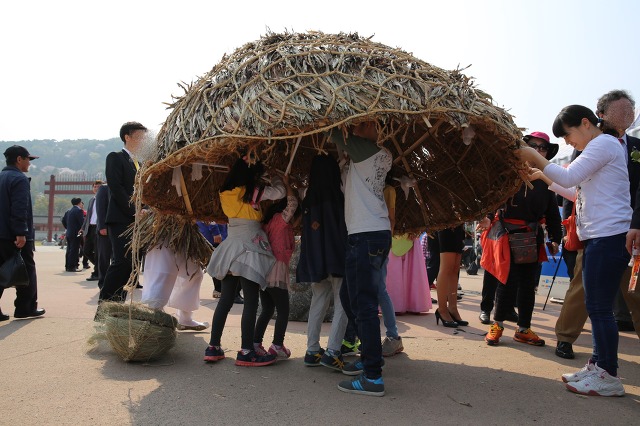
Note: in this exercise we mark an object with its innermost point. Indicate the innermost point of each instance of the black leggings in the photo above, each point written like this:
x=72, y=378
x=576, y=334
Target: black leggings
x=520, y=287
x=250, y=290
x=273, y=299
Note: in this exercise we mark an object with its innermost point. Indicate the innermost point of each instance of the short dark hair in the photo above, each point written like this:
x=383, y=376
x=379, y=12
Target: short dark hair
x=129, y=127
x=76, y=201
x=572, y=115
x=614, y=95
x=98, y=182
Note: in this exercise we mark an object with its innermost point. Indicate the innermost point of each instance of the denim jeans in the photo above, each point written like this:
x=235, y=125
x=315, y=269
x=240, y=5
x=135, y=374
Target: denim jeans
x=603, y=263
x=366, y=253
x=386, y=305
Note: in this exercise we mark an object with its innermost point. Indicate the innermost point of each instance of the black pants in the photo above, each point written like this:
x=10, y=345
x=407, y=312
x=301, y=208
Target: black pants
x=521, y=282
x=489, y=286
x=273, y=299
x=351, y=332
x=104, y=257
x=251, y=292
x=120, y=268
x=72, y=257
x=26, y=297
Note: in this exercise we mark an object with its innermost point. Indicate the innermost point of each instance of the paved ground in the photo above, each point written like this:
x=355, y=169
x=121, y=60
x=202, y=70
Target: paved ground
x=50, y=377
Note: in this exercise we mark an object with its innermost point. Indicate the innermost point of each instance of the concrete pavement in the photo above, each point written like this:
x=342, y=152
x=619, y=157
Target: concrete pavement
x=50, y=377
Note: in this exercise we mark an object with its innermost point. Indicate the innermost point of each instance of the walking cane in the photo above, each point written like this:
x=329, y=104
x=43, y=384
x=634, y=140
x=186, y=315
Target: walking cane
x=554, y=275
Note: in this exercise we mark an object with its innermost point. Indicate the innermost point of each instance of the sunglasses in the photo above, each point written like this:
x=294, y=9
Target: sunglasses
x=541, y=148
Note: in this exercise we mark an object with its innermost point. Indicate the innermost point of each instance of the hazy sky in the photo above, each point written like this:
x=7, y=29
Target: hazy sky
x=79, y=69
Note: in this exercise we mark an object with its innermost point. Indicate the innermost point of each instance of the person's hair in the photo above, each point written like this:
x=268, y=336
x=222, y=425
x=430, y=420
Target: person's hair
x=276, y=208
x=76, y=201
x=324, y=182
x=129, y=127
x=572, y=115
x=615, y=95
x=98, y=182
x=241, y=174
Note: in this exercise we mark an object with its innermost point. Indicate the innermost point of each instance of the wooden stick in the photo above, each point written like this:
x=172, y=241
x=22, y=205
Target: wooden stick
x=293, y=155
x=185, y=194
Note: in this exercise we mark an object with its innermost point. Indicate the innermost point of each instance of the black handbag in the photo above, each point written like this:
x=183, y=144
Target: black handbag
x=13, y=272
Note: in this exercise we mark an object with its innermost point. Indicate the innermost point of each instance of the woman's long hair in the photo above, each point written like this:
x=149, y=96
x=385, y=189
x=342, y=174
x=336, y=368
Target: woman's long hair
x=242, y=174
x=572, y=115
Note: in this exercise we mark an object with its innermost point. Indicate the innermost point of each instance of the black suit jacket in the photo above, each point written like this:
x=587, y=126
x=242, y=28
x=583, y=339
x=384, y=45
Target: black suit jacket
x=74, y=221
x=102, y=203
x=121, y=174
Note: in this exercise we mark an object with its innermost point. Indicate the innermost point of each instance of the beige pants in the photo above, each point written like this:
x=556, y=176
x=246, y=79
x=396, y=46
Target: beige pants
x=573, y=314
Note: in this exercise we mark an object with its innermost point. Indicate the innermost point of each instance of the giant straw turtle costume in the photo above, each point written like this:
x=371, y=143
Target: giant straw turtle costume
x=278, y=96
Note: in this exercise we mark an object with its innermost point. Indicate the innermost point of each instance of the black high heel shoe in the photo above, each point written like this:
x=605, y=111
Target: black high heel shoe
x=459, y=321
x=450, y=324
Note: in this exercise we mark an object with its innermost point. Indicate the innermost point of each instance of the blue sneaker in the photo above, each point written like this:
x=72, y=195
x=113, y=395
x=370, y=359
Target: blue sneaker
x=363, y=386
x=332, y=360
x=312, y=359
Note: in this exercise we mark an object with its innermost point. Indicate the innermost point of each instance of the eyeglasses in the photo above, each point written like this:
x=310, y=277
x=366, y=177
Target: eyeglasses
x=541, y=148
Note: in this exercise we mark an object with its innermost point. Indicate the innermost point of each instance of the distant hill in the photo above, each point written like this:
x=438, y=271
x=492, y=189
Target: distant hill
x=81, y=159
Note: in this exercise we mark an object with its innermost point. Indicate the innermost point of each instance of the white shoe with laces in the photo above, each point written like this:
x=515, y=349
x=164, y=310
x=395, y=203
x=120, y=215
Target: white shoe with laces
x=587, y=370
x=599, y=383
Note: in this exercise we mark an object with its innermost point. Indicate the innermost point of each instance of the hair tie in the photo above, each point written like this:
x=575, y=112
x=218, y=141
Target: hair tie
x=600, y=120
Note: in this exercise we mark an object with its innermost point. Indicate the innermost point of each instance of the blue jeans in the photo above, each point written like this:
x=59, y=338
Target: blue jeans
x=604, y=261
x=386, y=305
x=366, y=253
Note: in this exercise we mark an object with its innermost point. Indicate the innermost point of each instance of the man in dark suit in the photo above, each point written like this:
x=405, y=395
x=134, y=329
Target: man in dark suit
x=616, y=111
x=89, y=233
x=103, y=244
x=73, y=222
x=121, y=168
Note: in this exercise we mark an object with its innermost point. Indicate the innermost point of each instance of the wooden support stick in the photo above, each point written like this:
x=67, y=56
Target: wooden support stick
x=185, y=194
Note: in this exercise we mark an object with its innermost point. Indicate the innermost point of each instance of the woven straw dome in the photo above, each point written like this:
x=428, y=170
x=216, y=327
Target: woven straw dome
x=286, y=90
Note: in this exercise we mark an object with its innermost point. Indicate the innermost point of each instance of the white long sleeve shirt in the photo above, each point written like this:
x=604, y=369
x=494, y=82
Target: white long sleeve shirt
x=601, y=182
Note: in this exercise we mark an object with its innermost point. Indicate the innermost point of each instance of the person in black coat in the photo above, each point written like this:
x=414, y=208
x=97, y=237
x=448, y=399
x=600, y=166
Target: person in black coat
x=121, y=168
x=16, y=227
x=73, y=219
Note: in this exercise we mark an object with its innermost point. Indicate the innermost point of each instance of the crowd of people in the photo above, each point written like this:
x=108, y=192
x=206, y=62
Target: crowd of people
x=348, y=253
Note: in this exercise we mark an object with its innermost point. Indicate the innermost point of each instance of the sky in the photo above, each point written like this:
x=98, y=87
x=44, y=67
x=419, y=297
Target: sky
x=79, y=69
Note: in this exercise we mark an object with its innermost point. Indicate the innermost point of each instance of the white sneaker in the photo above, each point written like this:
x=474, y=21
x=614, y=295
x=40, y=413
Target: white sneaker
x=587, y=370
x=599, y=384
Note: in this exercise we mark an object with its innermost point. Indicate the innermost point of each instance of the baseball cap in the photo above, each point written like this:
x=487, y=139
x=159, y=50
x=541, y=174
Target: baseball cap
x=16, y=151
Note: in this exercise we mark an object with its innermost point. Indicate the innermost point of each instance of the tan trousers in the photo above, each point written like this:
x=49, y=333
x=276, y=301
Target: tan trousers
x=573, y=314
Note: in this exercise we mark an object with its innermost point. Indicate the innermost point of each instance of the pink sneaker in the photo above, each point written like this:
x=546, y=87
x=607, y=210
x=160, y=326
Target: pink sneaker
x=280, y=351
x=259, y=349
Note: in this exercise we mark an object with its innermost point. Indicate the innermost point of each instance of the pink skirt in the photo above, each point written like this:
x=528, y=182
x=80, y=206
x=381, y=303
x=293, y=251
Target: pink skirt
x=407, y=282
x=279, y=276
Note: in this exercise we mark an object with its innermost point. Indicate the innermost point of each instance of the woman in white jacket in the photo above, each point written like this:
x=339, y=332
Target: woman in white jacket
x=598, y=182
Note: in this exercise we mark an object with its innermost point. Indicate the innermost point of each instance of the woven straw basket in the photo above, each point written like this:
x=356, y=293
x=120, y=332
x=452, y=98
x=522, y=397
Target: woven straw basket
x=278, y=97
x=136, y=332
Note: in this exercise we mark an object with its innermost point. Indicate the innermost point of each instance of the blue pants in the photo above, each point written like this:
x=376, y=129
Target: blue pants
x=605, y=259
x=366, y=253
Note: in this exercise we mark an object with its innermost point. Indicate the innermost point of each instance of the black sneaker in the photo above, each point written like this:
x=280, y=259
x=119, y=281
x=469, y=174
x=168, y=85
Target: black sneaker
x=252, y=359
x=312, y=359
x=363, y=386
x=565, y=350
x=334, y=361
x=356, y=367
x=212, y=354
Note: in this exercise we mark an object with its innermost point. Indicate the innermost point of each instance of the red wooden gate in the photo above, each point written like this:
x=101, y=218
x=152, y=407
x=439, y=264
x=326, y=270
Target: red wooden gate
x=58, y=187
